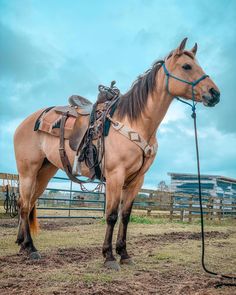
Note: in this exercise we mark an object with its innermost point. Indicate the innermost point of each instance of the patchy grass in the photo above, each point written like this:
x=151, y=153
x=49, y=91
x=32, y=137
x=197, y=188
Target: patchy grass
x=91, y=277
x=166, y=255
x=143, y=220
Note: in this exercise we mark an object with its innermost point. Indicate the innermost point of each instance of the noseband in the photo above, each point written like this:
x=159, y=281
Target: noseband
x=193, y=84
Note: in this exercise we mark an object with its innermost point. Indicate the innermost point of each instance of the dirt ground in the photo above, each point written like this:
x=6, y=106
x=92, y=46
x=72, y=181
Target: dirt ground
x=166, y=256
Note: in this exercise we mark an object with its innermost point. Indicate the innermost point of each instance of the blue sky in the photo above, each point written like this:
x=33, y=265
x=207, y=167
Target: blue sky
x=52, y=49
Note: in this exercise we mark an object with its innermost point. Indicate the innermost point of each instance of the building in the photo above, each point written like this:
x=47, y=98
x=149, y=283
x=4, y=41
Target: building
x=218, y=194
x=212, y=185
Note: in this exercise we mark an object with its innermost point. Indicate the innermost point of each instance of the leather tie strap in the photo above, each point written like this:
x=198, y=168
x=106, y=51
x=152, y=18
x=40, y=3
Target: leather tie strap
x=64, y=158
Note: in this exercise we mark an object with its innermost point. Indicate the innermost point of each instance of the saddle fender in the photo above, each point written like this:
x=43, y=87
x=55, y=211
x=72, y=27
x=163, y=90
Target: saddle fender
x=80, y=127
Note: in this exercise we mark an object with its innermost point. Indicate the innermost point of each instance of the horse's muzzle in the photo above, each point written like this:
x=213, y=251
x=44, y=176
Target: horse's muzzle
x=212, y=98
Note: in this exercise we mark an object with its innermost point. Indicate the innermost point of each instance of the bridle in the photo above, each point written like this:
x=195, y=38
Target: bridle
x=192, y=83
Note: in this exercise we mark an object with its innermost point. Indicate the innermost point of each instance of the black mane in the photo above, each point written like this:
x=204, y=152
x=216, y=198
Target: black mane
x=133, y=102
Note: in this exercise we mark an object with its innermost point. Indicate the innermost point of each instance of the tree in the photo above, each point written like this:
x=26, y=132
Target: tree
x=162, y=186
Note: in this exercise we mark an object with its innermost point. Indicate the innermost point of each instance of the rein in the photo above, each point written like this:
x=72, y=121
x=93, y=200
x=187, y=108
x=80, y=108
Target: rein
x=194, y=116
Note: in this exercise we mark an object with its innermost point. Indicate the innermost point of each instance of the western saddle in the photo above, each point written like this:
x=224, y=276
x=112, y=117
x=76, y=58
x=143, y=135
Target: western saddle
x=84, y=124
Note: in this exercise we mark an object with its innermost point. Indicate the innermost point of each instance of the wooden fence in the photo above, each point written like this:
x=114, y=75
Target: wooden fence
x=184, y=206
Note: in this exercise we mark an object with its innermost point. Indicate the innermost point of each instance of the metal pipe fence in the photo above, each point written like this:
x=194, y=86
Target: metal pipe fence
x=71, y=200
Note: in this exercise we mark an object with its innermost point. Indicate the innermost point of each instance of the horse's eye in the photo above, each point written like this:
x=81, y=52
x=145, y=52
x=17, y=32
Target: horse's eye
x=187, y=67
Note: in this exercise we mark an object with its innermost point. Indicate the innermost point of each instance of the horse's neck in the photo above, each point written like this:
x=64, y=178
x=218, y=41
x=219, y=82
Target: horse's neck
x=157, y=105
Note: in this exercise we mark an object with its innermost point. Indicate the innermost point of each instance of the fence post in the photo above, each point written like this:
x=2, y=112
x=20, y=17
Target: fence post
x=182, y=215
x=208, y=206
x=171, y=207
x=220, y=209
x=70, y=198
x=211, y=208
x=190, y=209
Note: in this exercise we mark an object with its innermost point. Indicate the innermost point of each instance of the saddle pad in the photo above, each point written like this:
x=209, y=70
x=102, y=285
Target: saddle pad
x=50, y=122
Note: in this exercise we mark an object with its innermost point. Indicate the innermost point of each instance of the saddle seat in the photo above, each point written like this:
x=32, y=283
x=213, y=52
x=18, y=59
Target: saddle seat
x=85, y=106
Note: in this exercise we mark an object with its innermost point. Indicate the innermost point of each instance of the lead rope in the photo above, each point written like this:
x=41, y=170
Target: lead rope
x=233, y=278
x=194, y=116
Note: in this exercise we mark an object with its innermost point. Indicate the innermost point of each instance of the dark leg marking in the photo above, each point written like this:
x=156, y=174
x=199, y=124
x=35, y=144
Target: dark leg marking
x=20, y=235
x=110, y=261
x=27, y=245
x=122, y=233
x=107, y=246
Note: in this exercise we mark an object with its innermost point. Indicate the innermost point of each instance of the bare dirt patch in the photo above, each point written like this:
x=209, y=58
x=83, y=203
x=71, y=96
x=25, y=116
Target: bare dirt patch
x=179, y=236
x=79, y=270
x=8, y=223
x=48, y=224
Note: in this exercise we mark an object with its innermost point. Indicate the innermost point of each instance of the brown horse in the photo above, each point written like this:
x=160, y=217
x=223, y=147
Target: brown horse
x=142, y=108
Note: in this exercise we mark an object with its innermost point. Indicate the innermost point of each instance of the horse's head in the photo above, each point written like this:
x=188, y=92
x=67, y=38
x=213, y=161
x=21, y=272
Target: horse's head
x=186, y=78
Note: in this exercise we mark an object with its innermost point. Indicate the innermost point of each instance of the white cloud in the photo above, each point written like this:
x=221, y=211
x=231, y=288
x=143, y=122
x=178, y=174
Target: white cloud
x=9, y=127
x=176, y=112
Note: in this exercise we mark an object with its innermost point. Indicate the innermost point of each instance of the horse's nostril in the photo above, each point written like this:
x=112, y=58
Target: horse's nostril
x=214, y=93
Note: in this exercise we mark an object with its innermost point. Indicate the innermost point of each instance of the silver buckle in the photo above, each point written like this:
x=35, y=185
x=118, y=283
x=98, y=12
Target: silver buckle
x=117, y=125
x=148, y=151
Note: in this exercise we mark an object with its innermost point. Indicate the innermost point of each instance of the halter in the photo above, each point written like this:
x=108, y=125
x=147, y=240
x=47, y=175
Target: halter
x=193, y=84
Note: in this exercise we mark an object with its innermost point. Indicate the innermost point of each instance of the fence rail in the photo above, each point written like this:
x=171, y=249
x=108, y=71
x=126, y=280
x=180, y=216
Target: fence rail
x=174, y=205
x=74, y=202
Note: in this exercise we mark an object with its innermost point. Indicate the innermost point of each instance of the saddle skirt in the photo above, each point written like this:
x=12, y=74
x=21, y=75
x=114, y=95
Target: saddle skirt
x=76, y=124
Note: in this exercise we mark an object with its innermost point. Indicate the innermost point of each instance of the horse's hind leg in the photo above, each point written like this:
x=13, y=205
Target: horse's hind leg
x=46, y=172
x=27, y=186
x=128, y=197
x=20, y=235
x=28, y=221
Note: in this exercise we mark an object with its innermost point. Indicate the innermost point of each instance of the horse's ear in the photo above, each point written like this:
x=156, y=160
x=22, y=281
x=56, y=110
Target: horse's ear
x=194, y=49
x=181, y=47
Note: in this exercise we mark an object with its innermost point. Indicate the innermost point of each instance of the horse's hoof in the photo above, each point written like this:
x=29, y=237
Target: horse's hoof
x=112, y=264
x=19, y=242
x=127, y=261
x=34, y=255
x=22, y=250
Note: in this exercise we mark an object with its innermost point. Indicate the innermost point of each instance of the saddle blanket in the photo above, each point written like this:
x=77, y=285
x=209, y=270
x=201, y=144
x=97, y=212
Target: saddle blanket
x=49, y=121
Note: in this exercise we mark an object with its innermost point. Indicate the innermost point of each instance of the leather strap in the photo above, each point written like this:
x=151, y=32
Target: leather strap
x=64, y=158
x=149, y=150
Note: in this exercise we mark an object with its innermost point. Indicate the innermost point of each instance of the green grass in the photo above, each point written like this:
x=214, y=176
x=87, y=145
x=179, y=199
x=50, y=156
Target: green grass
x=144, y=219
x=92, y=277
x=141, y=219
x=162, y=256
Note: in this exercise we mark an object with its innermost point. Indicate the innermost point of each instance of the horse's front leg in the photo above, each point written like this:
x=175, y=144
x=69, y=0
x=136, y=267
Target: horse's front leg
x=114, y=186
x=128, y=197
